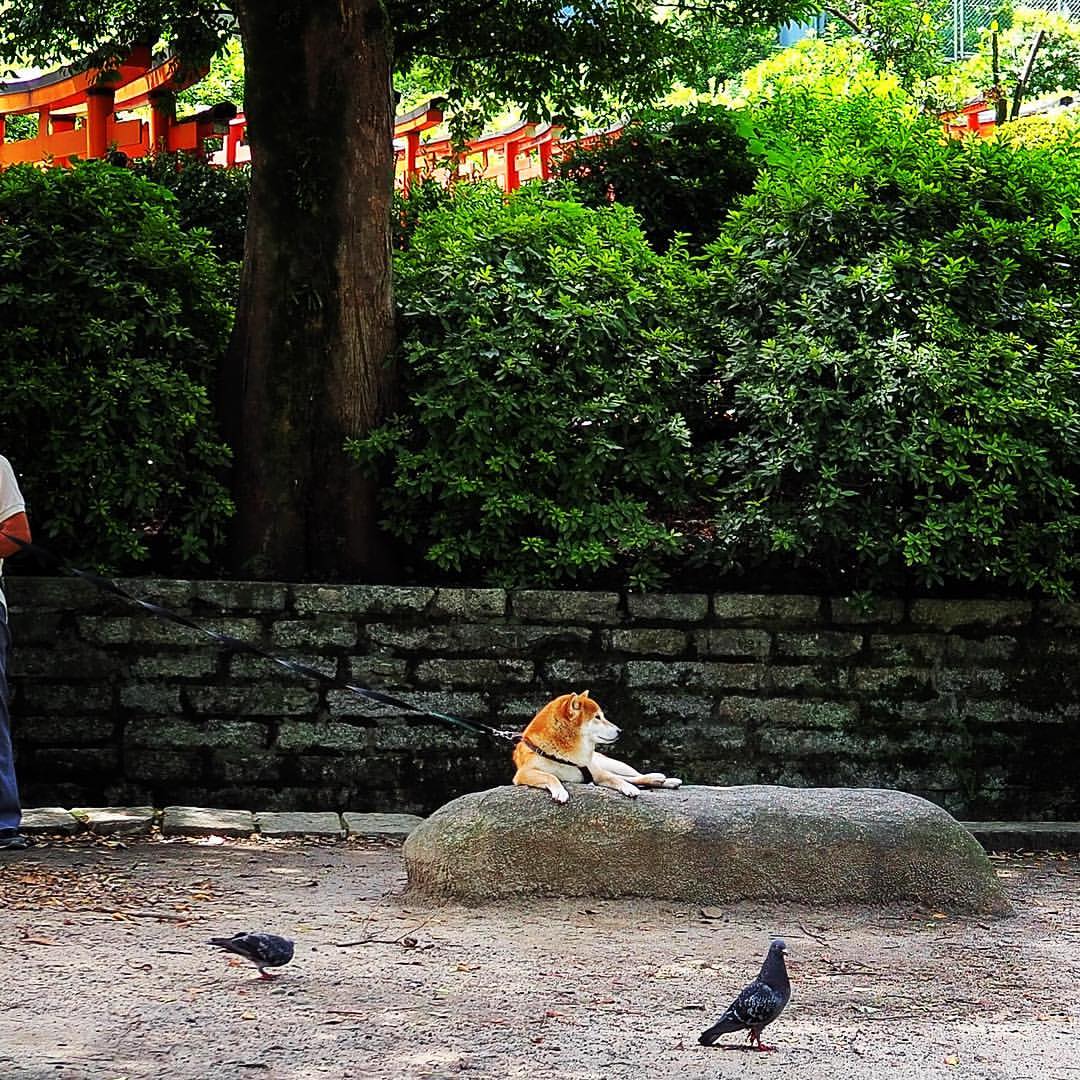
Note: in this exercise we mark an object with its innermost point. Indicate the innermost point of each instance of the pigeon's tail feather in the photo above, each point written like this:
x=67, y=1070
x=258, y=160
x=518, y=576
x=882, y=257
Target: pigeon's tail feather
x=722, y=1026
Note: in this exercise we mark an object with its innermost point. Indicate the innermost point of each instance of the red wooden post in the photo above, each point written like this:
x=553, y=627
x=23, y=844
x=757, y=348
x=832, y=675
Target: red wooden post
x=513, y=177
x=412, y=148
x=162, y=116
x=99, y=120
x=237, y=127
x=545, y=149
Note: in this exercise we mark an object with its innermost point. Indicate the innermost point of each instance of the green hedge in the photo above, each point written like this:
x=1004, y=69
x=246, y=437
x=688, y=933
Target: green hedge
x=895, y=322
x=545, y=438
x=680, y=168
x=114, y=320
x=207, y=198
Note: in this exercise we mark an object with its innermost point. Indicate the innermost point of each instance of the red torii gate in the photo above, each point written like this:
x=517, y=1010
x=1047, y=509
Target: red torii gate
x=509, y=157
x=76, y=109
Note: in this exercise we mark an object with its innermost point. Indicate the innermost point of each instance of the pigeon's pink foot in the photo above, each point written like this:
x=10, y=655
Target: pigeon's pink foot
x=766, y=1049
x=266, y=975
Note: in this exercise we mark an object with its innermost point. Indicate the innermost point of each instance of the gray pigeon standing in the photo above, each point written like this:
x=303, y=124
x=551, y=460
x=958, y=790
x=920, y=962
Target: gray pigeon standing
x=263, y=950
x=759, y=1004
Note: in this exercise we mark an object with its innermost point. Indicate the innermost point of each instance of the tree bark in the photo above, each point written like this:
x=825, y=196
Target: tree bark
x=308, y=362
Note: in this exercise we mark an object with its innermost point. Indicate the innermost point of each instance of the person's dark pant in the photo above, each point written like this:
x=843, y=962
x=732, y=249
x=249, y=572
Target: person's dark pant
x=10, y=811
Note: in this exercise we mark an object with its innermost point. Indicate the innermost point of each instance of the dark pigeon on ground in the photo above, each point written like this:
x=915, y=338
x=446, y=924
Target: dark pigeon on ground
x=263, y=950
x=759, y=1004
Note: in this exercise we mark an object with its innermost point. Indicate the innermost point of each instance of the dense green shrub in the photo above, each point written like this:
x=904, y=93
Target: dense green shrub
x=423, y=198
x=1062, y=130
x=113, y=322
x=898, y=330
x=679, y=168
x=207, y=197
x=545, y=435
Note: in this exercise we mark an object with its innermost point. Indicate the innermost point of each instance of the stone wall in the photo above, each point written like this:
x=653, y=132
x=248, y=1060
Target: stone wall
x=972, y=704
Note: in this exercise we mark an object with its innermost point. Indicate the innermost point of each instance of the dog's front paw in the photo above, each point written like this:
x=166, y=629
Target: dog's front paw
x=672, y=782
x=560, y=795
x=655, y=778
x=629, y=790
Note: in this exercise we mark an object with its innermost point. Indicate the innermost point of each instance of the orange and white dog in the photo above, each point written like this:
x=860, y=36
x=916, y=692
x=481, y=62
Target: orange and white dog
x=559, y=746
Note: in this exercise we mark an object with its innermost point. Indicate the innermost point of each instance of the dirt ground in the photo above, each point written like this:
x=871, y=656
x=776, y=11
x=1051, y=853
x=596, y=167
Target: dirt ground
x=105, y=975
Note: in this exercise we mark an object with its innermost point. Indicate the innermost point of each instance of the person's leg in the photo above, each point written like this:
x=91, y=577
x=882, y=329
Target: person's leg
x=10, y=811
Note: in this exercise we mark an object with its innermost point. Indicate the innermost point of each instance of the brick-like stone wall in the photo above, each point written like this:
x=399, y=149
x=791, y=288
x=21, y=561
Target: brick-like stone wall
x=971, y=703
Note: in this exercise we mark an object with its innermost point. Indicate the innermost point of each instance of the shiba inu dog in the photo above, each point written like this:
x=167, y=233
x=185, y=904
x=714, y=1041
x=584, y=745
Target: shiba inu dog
x=559, y=745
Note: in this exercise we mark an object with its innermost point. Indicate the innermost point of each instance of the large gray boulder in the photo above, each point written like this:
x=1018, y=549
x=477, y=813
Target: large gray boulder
x=705, y=845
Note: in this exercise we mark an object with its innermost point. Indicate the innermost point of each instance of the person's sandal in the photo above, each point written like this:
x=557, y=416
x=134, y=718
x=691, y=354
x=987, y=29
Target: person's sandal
x=14, y=842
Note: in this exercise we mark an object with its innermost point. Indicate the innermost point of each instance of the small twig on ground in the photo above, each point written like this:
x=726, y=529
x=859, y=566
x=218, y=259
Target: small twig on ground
x=811, y=934
x=401, y=939
x=840, y=966
x=380, y=902
x=167, y=916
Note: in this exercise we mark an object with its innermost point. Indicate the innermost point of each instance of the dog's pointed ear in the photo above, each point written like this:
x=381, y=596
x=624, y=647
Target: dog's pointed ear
x=584, y=695
x=575, y=701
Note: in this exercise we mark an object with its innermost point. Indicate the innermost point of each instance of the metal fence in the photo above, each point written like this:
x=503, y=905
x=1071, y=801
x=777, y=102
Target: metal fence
x=963, y=21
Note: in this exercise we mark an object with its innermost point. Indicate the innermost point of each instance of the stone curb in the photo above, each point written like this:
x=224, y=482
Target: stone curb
x=1026, y=835
x=205, y=821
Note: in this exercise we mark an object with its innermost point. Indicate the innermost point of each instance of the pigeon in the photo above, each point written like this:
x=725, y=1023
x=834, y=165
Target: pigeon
x=263, y=950
x=759, y=1004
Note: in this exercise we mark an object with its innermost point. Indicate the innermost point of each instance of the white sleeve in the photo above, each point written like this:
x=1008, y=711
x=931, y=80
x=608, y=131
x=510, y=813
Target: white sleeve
x=11, y=500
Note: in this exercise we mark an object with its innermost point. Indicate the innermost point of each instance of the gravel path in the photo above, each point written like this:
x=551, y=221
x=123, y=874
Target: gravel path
x=105, y=976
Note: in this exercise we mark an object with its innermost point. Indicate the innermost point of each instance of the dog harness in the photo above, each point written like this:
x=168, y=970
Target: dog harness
x=586, y=776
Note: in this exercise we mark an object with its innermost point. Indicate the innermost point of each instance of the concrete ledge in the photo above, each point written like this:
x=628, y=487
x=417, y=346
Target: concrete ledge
x=129, y=820
x=208, y=821
x=118, y=820
x=1026, y=835
x=200, y=821
x=48, y=819
x=299, y=823
x=704, y=845
x=381, y=826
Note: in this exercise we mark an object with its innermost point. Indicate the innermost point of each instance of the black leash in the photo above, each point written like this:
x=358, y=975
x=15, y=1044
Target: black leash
x=227, y=641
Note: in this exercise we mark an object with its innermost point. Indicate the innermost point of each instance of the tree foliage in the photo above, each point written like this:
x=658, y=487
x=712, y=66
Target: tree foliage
x=224, y=81
x=900, y=36
x=1057, y=63
x=544, y=55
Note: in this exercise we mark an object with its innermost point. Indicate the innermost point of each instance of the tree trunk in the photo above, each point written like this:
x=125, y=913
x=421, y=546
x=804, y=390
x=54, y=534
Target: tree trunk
x=308, y=362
